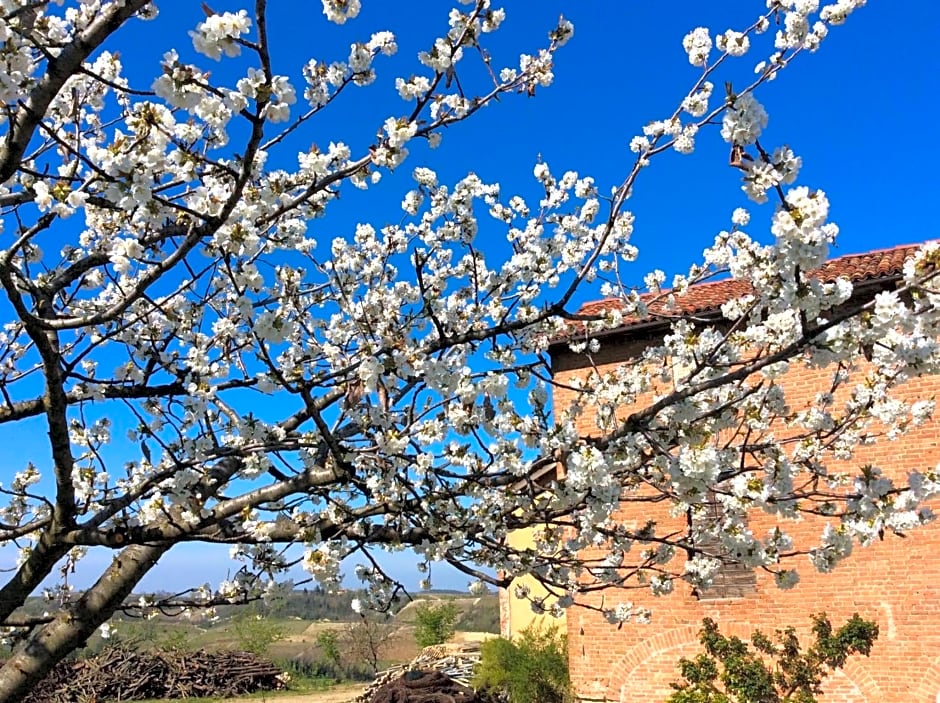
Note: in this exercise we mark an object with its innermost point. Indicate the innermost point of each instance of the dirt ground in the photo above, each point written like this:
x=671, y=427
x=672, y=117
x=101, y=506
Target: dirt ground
x=337, y=694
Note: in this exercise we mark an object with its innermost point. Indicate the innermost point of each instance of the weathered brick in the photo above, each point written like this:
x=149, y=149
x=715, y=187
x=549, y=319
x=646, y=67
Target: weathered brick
x=895, y=582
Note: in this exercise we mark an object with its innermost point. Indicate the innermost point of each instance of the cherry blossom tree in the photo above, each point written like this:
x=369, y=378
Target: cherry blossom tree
x=389, y=389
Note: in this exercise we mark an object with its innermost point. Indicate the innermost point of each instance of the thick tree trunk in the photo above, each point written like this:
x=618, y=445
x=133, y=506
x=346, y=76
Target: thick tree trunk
x=50, y=643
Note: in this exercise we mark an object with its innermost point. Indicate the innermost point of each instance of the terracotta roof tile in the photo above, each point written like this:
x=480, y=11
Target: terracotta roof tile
x=708, y=297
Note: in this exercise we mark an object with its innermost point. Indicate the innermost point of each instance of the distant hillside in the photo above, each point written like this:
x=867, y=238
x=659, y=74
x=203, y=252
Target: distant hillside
x=478, y=614
x=313, y=604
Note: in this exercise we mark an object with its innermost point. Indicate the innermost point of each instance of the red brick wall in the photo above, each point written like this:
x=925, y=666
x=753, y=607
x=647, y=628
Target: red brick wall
x=895, y=582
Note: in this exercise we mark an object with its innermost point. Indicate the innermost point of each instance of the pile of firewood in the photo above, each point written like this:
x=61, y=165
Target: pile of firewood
x=454, y=661
x=123, y=674
x=426, y=687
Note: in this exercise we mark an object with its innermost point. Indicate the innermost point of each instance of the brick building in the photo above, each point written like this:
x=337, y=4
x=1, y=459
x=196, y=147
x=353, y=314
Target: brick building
x=895, y=582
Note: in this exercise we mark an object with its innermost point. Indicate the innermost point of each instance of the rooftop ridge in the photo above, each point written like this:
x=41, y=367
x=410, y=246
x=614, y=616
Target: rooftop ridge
x=709, y=296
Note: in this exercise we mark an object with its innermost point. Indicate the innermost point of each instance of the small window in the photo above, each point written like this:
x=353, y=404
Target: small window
x=734, y=579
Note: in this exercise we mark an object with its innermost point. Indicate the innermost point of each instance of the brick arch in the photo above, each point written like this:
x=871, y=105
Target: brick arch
x=842, y=685
x=858, y=671
x=667, y=647
x=657, y=657
x=928, y=688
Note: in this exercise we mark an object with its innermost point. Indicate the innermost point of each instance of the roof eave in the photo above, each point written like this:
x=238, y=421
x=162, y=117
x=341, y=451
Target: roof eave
x=708, y=316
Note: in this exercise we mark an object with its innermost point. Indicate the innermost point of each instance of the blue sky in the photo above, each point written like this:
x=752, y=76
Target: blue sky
x=859, y=113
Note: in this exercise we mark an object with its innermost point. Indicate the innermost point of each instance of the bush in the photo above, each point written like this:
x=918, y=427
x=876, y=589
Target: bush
x=328, y=642
x=531, y=669
x=730, y=671
x=307, y=676
x=319, y=672
x=435, y=623
x=177, y=639
x=256, y=633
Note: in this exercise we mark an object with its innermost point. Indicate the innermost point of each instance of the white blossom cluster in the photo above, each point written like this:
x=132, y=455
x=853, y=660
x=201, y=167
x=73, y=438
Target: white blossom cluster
x=268, y=382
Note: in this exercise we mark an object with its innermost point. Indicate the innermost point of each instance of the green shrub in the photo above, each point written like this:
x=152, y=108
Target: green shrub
x=768, y=671
x=328, y=642
x=435, y=622
x=256, y=633
x=307, y=677
x=176, y=639
x=531, y=669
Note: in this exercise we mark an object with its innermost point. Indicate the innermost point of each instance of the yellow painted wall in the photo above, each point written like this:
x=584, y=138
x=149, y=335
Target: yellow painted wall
x=516, y=613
